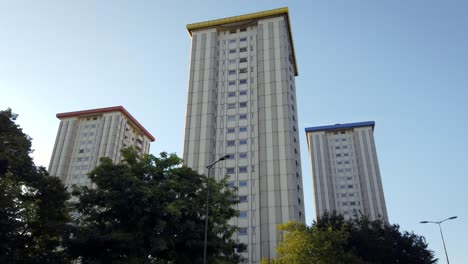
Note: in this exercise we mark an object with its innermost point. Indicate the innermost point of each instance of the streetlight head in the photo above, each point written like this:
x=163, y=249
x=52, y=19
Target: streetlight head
x=453, y=217
x=424, y=222
x=224, y=157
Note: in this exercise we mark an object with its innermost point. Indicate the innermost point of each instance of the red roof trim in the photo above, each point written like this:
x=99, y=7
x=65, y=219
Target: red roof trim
x=106, y=110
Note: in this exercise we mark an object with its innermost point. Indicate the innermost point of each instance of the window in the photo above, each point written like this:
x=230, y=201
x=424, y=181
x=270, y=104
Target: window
x=345, y=147
x=243, y=81
x=243, y=142
x=352, y=203
x=231, y=130
x=232, y=61
x=345, y=203
x=243, y=214
x=345, y=154
x=243, y=116
x=230, y=171
x=232, y=41
x=243, y=39
x=340, y=170
x=339, y=162
x=231, y=106
x=243, y=104
x=230, y=184
x=81, y=151
x=79, y=159
x=231, y=156
x=232, y=72
x=343, y=139
x=242, y=183
x=231, y=118
x=348, y=169
x=232, y=31
x=231, y=94
x=242, y=169
x=350, y=186
x=231, y=143
x=243, y=29
x=243, y=70
x=243, y=49
x=243, y=92
x=337, y=147
x=243, y=231
x=342, y=186
x=232, y=83
x=232, y=51
x=242, y=198
x=338, y=155
x=243, y=60
x=242, y=129
x=346, y=162
x=343, y=195
x=242, y=155
x=351, y=195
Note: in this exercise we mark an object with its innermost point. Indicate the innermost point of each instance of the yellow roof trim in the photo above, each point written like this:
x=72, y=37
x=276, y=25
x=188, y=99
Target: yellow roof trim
x=257, y=15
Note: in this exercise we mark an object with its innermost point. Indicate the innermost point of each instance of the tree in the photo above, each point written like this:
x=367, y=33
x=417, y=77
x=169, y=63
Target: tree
x=332, y=240
x=151, y=210
x=303, y=245
x=377, y=242
x=33, y=210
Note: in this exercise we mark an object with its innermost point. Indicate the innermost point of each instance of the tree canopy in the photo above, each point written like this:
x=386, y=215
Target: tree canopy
x=33, y=211
x=332, y=240
x=151, y=210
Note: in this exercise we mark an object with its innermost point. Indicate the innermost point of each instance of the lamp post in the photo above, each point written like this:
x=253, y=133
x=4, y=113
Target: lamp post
x=207, y=203
x=440, y=228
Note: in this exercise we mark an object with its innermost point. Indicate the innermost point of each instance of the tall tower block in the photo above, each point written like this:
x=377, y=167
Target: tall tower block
x=242, y=102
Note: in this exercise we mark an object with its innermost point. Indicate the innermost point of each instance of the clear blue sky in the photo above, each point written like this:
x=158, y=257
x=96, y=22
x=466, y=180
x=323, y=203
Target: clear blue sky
x=403, y=64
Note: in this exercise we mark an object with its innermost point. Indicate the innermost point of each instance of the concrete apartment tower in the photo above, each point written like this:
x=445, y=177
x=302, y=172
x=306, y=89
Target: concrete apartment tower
x=242, y=102
x=85, y=136
x=345, y=170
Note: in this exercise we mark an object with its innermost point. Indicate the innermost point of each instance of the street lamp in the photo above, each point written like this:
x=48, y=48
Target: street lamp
x=440, y=228
x=207, y=203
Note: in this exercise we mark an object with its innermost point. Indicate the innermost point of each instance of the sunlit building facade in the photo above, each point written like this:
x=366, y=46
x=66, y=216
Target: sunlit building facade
x=85, y=136
x=242, y=102
x=345, y=170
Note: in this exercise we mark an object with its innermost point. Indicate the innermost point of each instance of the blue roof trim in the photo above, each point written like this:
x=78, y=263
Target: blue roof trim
x=340, y=126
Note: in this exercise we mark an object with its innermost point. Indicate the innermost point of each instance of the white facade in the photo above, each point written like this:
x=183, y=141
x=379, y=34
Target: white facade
x=85, y=136
x=345, y=171
x=242, y=102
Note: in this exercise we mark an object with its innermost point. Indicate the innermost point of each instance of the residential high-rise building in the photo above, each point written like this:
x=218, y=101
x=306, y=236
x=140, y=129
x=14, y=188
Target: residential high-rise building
x=242, y=102
x=345, y=170
x=85, y=136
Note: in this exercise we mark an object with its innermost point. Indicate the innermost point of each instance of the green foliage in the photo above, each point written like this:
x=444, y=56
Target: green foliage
x=151, y=210
x=33, y=211
x=302, y=245
x=333, y=240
